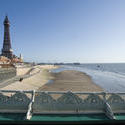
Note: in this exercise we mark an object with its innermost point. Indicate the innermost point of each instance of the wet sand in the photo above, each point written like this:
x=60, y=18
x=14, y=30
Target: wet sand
x=71, y=80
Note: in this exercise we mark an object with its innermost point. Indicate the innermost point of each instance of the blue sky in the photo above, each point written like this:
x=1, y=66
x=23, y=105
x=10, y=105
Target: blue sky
x=85, y=31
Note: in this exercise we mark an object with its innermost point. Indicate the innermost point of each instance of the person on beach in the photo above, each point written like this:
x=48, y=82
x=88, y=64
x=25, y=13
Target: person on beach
x=20, y=79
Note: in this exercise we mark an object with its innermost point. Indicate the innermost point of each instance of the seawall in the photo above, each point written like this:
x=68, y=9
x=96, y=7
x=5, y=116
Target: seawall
x=7, y=73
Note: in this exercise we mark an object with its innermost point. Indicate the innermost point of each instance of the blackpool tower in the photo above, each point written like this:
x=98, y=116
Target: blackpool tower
x=7, y=50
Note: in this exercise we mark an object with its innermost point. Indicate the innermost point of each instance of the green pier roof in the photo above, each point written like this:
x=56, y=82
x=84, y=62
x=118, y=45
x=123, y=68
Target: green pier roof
x=78, y=118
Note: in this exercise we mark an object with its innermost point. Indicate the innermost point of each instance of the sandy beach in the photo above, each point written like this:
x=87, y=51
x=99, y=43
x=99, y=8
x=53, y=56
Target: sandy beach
x=71, y=80
x=68, y=80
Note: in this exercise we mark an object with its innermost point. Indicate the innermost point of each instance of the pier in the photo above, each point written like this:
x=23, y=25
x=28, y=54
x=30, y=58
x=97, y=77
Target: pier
x=43, y=106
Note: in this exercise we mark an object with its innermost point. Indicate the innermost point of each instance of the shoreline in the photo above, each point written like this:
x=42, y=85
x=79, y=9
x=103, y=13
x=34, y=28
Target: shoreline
x=71, y=80
x=45, y=80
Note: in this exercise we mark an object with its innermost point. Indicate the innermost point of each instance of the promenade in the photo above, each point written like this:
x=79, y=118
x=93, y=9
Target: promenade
x=33, y=79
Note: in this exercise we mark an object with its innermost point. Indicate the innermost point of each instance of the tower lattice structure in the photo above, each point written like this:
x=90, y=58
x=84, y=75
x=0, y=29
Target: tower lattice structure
x=7, y=49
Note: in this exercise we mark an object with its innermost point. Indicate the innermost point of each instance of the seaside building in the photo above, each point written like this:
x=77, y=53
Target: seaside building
x=7, y=48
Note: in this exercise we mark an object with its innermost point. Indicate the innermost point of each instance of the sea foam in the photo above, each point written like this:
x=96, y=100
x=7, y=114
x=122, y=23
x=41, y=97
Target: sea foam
x=111, y=77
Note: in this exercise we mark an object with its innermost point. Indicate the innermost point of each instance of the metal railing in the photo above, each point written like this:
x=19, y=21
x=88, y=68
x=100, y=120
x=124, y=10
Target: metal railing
x=46, y=102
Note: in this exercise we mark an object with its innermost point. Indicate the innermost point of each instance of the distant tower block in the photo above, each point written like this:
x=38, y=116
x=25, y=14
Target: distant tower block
x=7, y=50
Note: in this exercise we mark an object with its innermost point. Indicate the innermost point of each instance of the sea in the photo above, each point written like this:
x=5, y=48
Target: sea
x=109, y=76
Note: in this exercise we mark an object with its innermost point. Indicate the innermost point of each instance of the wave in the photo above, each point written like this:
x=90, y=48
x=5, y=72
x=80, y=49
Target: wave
x=110, y=79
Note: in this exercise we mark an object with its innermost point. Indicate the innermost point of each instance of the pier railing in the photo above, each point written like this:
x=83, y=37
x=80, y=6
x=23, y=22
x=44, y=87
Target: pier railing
x=43, y=102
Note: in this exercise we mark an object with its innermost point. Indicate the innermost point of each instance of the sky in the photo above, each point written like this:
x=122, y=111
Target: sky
x=85, y=31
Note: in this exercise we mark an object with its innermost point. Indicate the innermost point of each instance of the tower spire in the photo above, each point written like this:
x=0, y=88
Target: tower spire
x=6, y=20
x=7, y=50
